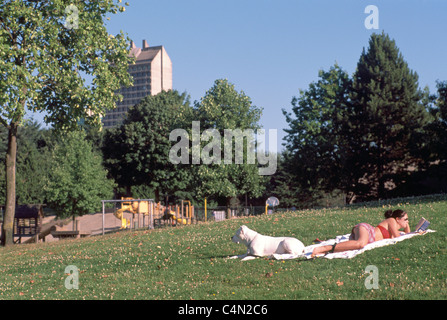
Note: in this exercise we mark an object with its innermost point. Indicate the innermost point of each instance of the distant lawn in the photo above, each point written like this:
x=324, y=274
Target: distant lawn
x=190, y=262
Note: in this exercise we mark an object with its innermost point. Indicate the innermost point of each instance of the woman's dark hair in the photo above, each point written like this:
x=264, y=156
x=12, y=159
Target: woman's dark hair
x=394, y=214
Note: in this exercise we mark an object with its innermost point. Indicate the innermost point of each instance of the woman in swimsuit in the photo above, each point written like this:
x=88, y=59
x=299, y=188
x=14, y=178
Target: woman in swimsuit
x=364, y=233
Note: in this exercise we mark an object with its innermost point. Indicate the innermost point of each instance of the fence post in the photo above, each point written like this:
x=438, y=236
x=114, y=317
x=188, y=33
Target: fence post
x=103, y=209
x=205, y=209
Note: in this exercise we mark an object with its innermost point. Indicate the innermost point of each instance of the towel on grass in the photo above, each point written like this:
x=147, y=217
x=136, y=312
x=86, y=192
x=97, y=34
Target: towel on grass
x=346, y=254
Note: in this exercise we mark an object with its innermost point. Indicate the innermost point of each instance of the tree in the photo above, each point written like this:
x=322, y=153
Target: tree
x=286, y=186
x=223, y=107
x=386, y=113
x=137, y=152
x=47, y=50
x=33, y=166
x=316, y=141
x=431, y=147
x=440, y=123
x=33, y=151
x=78, y=181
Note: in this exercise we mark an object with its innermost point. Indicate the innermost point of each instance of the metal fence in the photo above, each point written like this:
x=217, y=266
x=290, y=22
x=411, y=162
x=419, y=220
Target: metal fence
x=159, y=216
x=222, y=213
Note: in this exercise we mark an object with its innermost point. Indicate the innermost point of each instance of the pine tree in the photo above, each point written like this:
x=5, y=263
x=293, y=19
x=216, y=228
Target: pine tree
x=386, y=112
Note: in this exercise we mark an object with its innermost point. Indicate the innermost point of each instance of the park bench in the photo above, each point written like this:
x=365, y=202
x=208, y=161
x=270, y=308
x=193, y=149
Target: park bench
x=64, y=234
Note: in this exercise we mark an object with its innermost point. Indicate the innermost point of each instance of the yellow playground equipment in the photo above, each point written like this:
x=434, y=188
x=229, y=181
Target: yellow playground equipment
x=171, y=214
x=181, y=214
x=132, y=207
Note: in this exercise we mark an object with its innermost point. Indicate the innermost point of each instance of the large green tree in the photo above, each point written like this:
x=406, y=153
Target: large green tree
x=357, y=135
x=316, y=141
x=33, y=152
x=439, y=125
x=33, y=166
x=386, y=112
x=431, y=146
x=78, y=181
x=228, y=174
x=47, y=50
x=137, y=152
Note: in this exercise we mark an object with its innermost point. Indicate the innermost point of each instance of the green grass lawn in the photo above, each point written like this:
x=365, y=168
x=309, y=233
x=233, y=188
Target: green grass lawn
x=190, y=262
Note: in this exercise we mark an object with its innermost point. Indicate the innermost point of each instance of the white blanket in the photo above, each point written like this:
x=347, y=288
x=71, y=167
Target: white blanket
x=346, y=254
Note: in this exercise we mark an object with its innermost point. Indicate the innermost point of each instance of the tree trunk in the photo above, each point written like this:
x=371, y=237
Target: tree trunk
x=157, y=195
x=11, y=156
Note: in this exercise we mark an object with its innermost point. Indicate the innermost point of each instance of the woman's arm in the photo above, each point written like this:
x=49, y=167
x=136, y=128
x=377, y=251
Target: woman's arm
x=407, y=228
x=393, y=228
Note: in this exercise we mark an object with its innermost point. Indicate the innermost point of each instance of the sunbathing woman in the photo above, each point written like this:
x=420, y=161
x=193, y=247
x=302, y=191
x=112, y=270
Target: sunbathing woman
x=363, y=233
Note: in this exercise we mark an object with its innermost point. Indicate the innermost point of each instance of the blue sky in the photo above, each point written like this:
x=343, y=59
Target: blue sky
x=271, y=49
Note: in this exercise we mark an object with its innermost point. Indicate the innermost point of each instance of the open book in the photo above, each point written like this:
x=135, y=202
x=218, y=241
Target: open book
x=422, y=225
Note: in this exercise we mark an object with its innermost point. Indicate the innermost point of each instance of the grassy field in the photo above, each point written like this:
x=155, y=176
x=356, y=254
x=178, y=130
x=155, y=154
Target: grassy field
x=190, y=262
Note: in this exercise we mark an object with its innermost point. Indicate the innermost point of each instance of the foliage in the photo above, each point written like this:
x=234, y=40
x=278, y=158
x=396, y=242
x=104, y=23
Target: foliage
x=44, y=63
x=223, y=107
x=362, y=136
x=316, y=141
x=137, y=152
x=77, y=182
x=437, y=129
x=386, y=112
x=47, y=50
x=34, y=147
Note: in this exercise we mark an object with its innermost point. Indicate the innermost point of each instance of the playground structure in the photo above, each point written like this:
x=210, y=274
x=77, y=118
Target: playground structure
x=134, y=207
x=182, y=214
x=147, y=209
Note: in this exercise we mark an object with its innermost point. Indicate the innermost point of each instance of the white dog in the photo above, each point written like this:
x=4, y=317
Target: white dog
x=259, y=245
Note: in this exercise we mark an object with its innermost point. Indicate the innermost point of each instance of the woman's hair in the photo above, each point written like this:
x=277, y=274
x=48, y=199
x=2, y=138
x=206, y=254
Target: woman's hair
x=394, y=214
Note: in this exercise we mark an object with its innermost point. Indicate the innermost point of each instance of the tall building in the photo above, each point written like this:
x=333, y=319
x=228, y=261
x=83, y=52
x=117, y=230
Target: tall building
x=152, y=73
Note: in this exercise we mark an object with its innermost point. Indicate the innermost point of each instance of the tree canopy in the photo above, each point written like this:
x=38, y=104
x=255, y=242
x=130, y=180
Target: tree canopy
x=137, y=152
x=47, y=51
x=223, y=107
x=386, y=112
x=77, y=181
x=358, y=135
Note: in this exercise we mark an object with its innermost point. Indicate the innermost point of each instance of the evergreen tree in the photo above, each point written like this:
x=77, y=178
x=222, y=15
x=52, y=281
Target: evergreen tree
x=440, y=123
x=432, y=146
x=386, y=112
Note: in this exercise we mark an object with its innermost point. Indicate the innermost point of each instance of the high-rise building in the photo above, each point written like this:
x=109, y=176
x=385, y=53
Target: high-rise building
x=152, y=73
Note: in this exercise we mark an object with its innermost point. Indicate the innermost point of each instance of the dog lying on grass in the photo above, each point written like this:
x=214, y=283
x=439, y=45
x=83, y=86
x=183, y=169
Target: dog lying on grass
x=259, y=245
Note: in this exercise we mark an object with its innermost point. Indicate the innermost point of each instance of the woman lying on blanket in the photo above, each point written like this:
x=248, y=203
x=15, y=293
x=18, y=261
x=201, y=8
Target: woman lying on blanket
x=363, y=233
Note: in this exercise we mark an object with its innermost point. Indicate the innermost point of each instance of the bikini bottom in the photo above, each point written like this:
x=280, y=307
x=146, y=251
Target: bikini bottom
x=369, y=228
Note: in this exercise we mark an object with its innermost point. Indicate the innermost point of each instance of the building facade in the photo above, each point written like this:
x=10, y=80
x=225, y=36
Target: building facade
x=152, y=73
